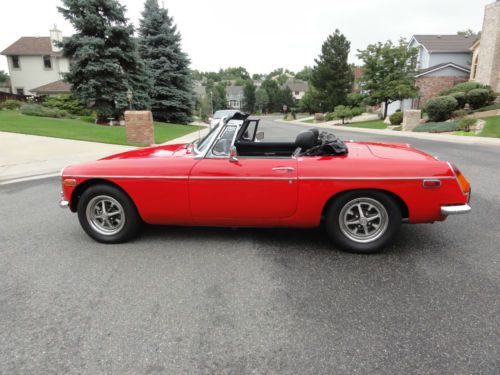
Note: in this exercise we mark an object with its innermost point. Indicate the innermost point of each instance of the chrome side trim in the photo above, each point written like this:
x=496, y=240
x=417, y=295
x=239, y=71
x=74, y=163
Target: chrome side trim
x=240, y=178
x=375, y=178
x=455, y=210
x=133, y=177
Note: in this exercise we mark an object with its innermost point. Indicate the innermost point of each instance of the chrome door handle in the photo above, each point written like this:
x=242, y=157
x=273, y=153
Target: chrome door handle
x=285, y=169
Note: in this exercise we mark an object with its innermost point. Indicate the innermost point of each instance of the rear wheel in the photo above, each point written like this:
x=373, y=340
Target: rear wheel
x=107, y=214
x=363, y=221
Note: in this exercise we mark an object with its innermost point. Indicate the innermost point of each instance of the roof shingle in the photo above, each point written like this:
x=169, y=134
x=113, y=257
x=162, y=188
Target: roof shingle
x=53, y=87
x=31, y=46
x=446, y=43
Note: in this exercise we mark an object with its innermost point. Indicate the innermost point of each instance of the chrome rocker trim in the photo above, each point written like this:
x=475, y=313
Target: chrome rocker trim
x=455, y=210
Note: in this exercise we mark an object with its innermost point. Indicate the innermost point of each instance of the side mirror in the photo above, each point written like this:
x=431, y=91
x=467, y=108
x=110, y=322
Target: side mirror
x=233, y=154
x=259, y=136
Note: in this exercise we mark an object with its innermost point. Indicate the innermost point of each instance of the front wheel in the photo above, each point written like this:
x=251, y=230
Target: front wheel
x=107, y=214
x=363, y=221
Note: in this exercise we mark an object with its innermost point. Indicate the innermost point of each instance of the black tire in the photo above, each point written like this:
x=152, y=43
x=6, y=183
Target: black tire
x=113, y=200
x=365, y=233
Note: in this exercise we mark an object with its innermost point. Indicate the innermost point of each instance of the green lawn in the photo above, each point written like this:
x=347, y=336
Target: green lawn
x=14, y=122
x=491, y=127
x=372, y=124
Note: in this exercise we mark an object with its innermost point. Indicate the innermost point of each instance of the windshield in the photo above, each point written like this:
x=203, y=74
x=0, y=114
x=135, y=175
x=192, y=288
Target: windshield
x=201, y=145
x=221, y=114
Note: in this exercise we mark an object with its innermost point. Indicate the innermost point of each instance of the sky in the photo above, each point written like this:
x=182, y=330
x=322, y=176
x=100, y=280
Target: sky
x=262, y=35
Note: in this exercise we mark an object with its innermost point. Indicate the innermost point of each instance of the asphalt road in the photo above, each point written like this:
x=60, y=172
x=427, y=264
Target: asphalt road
x=223, y=301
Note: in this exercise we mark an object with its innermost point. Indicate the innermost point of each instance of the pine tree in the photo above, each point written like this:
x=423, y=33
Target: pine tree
x=332, y=76
x=160, y=47
x=105, y=60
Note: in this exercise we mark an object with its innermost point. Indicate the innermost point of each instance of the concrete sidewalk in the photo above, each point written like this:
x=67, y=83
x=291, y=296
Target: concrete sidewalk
x=386, y=132
x=27, y=156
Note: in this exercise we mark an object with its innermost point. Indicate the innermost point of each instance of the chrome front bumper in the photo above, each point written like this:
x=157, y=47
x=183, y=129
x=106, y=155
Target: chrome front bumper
x=63, y=203
x=455, y=210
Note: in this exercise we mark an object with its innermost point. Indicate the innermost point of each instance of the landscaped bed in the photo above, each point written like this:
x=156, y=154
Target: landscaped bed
x=14, y=122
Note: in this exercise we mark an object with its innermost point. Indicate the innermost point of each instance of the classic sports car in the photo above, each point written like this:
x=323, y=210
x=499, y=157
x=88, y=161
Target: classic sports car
x=361, y=192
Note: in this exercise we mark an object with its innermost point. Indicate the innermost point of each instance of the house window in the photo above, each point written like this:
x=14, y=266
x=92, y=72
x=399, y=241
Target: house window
x=297, y=92
x=15, y=62
x=20, y=91
x=47, y=62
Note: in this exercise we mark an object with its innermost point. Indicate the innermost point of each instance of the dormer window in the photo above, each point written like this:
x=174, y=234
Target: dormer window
x=15, y=62
x=47, y=62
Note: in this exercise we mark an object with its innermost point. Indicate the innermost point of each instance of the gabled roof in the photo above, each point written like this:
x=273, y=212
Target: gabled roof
x=297, y=85
x=437, y=67
x=234, y=90
x=53, y=88
x=31, y=46
x=445, y=43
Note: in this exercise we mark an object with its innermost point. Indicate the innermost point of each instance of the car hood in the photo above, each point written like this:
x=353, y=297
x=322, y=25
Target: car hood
x=163, y=151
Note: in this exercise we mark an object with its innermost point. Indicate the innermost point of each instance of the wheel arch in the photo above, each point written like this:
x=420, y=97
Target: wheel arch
x=405, y=212
x=80, y=188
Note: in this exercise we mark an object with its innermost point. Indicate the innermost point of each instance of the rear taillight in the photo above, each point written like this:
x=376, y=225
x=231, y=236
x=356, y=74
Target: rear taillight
x=462, y=181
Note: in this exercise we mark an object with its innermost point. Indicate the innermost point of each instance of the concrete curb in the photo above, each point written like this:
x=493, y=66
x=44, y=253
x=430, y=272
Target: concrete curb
x=427, y=136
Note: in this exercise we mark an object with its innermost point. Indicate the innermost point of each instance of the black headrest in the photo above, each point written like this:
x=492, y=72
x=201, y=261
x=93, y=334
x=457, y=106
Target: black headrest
x=315, y=131
x=305, y=140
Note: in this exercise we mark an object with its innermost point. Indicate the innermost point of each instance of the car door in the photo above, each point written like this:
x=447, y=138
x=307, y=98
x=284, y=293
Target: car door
x=243, y=190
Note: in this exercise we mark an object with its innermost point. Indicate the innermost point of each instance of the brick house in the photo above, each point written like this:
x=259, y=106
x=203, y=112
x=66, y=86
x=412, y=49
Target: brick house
x=442, y=62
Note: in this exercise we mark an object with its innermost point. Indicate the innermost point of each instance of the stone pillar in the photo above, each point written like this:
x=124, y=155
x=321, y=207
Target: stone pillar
x=411, y=119
x=488, y=63
x=139, y=127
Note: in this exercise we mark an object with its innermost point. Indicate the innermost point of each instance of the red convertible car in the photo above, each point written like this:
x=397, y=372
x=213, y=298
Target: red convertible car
x=361, y=192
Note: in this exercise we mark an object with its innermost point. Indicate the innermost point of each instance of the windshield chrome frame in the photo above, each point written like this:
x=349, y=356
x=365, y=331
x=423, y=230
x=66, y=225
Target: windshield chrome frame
x=221, y=125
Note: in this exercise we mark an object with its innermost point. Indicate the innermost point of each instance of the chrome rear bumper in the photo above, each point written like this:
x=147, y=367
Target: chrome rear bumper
x=455, y=210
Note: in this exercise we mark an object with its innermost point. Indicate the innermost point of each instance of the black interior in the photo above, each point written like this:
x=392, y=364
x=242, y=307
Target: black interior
x=246, y=148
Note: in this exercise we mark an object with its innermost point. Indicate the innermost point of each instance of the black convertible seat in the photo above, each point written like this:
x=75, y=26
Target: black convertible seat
x=245, y=148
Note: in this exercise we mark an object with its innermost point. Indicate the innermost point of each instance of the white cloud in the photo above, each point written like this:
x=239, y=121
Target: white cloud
x=264, y=34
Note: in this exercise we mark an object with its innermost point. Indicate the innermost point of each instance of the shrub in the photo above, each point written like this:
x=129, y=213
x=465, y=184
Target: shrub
x=478, y=98
x=466, y=123
x=90, y=119
x=488, y=108
x=329, y=116
x=319, y=117
x=342, y=112
x=356, y=111
x=39, y=110
x=437, y=127
x=440, y=108
x=355, y=100
x=396, y=118
x=459, y=113
x=67, y=103
x=460, y=97
x=464, y=87
x=11, y=104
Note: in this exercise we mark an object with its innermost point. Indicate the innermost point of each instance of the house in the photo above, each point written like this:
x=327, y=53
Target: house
x=35, y=62
x=234, y=97
x=358, y=73
x=442, y=62
x=199, y=90
x=485, y=67
x=298, y=88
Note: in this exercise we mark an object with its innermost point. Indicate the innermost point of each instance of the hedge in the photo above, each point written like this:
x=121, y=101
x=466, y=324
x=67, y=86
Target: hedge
x=440, y=108
x=438, y=127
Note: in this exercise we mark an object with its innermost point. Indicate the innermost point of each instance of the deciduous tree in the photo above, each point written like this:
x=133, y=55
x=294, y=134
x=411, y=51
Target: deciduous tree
x=388, y=72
